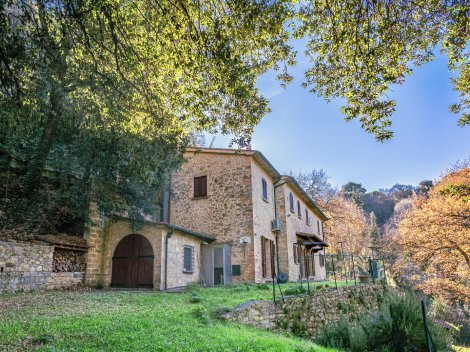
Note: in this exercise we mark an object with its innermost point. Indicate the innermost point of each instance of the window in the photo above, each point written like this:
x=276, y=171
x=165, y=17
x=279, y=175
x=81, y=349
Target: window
x=299, y=212
x=296, y=253
x=307, y=219
x=265, y=189
x=188, y=259
x=322, y=260
x=200, y=186
x=291, y=202
x=318, y=227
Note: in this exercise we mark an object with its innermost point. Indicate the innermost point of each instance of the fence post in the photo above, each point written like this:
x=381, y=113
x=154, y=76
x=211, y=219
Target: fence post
x=334, y=271
x=426, y=330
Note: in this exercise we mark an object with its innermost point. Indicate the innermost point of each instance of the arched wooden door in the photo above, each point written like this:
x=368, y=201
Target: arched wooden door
x=133, y=261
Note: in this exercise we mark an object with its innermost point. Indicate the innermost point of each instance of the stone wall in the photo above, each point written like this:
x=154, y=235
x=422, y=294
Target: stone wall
x=28, y=266
x=176, y=277
x=292, y=224
x=305, y=315
x=263, y=214
x=226, y=213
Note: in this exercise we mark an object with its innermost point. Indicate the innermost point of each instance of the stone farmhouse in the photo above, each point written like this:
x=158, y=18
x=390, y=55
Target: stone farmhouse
x=230, y=217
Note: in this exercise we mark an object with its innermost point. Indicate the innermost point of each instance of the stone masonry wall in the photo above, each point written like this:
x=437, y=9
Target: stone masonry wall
x=263, y=213
x=292, y=224
x=226, y=213
x=305, y=315
x=28, y=266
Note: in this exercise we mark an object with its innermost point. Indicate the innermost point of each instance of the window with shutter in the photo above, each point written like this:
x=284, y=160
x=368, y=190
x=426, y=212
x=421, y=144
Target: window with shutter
x=265, y=189
x=200, y=186
x=188, y=259
x=318, y=227
x=307, y=220
x=299, y=211
x=296, y=254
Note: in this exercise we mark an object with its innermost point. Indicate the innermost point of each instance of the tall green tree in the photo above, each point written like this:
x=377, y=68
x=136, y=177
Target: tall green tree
x=360, y=49
x=109, y=90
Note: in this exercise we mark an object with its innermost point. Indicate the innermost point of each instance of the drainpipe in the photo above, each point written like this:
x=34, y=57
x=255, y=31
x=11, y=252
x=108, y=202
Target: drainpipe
x=167, y=237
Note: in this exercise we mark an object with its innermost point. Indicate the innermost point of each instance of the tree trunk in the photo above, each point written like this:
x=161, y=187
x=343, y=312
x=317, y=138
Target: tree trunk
x=49, y=134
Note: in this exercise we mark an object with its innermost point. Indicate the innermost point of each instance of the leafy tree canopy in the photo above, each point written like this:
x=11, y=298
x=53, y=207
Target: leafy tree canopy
x=109, y=90
x=359, y=49
x=435, y=235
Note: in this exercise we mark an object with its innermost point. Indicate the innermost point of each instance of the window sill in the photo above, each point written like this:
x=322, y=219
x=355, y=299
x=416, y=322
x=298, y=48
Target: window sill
x=266, y=200
x=188, y=272
x=200, y=197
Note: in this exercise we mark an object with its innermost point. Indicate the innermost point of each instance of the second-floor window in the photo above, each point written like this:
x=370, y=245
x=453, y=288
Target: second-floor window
x=318, y=227
x=200, y=186
x=265, y=189
x=299, y=211
x=291, y=201
x=307, y=219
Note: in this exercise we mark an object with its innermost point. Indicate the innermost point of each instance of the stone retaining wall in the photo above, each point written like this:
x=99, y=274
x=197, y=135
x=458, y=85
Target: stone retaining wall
x=304, y=315
x=28, y=266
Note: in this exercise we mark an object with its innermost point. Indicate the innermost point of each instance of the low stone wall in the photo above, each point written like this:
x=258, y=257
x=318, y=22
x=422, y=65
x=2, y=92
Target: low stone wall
x=304, y=315
x=28, y=266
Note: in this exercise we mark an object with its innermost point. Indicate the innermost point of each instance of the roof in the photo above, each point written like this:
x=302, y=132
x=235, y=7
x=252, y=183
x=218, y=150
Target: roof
x=263, y=161
x=199, y=235
x=290, y=180
x=257, y=155
x=65, y=241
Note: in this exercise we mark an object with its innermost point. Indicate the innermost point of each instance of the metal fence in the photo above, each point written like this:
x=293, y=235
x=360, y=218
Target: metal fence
x=334, y=270
x=454, y=323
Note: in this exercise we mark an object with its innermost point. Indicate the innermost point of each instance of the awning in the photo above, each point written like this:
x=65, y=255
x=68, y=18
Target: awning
x=311, y=239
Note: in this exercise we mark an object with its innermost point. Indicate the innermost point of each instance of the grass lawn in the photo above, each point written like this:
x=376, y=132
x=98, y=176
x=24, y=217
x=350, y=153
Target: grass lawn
x=135, y=321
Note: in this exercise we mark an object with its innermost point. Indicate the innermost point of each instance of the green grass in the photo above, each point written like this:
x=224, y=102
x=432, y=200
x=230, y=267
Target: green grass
x=136, y=321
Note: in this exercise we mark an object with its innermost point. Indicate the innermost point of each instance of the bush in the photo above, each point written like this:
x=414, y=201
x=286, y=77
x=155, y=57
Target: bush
x=263, y=287
x=396, y=326
x=296, y=290
x=193, y=287
x=201, y=314
x=195, y=298
x=334, y=335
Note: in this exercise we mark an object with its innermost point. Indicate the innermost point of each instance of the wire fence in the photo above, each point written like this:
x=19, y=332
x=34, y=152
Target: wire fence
x=328, y=270
x=454, y=324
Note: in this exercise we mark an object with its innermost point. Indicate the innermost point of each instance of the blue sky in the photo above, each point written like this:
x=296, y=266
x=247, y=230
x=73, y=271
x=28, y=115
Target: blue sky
x=304, y=132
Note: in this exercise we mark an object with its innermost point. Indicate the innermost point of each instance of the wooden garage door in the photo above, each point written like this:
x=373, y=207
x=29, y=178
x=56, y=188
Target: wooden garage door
x=133, y=262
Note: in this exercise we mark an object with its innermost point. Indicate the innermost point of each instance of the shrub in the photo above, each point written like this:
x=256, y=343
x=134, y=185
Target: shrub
x=334, y=335
x=201, y=314
x=263, y=287
x=357, y=339
x=296, y=290
x=397, y=326
x=193, y=287
x=195, y=298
